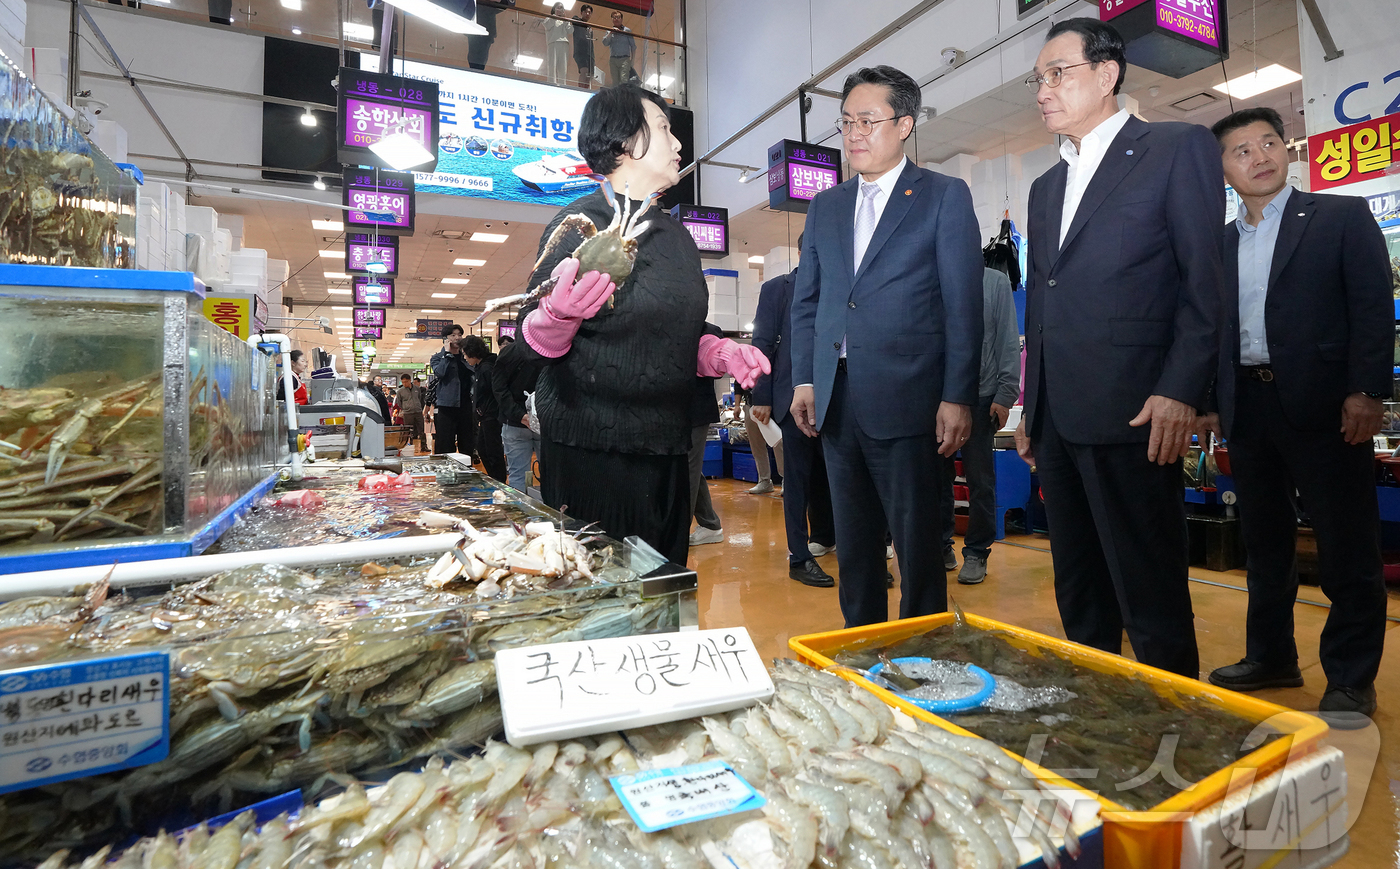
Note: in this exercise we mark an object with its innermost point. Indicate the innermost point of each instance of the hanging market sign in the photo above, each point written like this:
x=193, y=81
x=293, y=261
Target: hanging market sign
x=1360, y=152
x=374, y=332
x=361, y=249
x=708, y=226
x=369, y=317
x=372, y=107
x=1173, y=37
x=360, y=345
x=373, y=291
x=430, y=328
x=797, y=172
x=378, y=200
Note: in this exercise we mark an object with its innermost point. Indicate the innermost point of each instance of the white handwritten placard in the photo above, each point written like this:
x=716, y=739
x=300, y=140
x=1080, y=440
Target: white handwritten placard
x=82, y=718
x=661, y=798
x=563, y=690
x=1295, y=818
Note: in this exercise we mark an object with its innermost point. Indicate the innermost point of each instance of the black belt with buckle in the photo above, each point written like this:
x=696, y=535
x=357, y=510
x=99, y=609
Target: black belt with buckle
x=841, y=365
x=1262, y=373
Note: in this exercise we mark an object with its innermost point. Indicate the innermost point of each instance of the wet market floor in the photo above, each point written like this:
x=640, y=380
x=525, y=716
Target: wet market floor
x=744, y=581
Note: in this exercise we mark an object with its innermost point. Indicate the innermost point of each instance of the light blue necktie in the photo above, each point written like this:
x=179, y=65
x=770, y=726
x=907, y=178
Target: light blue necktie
x=865, y=219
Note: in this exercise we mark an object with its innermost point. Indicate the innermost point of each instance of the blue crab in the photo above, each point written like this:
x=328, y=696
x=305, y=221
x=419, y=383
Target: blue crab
x=612, y=251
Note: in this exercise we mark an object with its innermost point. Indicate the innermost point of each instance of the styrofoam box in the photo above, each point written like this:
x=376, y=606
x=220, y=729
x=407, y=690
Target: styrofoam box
x=278, y=270
x=175, y=251
x=202, y=220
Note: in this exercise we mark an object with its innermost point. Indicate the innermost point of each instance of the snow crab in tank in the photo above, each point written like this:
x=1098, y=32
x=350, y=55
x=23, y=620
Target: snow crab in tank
x=612, y=251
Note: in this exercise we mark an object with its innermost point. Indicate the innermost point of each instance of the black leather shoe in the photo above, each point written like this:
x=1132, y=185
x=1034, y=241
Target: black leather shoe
x=889, y=579
x=1248, y=675
x=810, y=573
x=1347, y=708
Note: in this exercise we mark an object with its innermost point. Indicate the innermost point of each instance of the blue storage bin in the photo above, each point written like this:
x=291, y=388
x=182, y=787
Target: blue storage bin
x=744, y=467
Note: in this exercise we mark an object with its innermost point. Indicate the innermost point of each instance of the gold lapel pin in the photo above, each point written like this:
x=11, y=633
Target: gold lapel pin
x=907, y=192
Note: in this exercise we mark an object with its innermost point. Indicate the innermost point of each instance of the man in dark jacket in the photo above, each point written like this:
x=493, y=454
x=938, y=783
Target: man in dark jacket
x=488, y=442
x=513, y=375
x=1305, y=361
x=704, y=411
x=453, y=420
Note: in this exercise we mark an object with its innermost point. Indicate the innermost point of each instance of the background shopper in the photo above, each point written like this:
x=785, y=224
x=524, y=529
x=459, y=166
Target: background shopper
x=621, y=47
x=704, y=411
x=556, y=37
x=583, y=46
x=513, y=376
x=455, y=425
x=488, y=440
x=410, y=403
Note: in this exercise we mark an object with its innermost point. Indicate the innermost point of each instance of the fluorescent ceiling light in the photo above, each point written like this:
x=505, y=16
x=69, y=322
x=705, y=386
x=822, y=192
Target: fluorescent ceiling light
x=359, y=32
x=319, y=183
x=431, y=311
x=337, y=254
x=296, y=31
x=567, y=4
x=456, y=280
x=468, y=262
x=756, y=260
x=444, y=18
x=328, y=225
x=336, y=276
x=444, y=295
x=658, y=81
x=342, y=319
x=341, y=308
x=308, y=119
x=489, y=237
x=528, y=61
x=294, y=5
x=401, y=151
x=339, y=292
x=1242, y=87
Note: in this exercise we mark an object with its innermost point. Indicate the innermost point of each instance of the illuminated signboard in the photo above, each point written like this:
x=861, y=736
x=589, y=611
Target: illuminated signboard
x=797, y=172
x=506, y=329
x=373, y=291
x=361, y=250
x=369, y=317
x=1172, y=37
x=708, y=226
x=378, y=200
x=373, y=106
x=375, y=332
x=361, y=345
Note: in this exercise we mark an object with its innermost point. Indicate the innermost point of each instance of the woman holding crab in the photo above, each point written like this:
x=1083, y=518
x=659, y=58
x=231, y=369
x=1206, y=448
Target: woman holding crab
x=620, y=334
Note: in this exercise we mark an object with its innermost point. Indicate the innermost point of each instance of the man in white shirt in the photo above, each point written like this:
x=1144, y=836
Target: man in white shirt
x=887, y=346
x=1122, y=314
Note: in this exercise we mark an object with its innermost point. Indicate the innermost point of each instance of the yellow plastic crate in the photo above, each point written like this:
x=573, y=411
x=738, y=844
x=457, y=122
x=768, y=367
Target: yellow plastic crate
x=1149, y=839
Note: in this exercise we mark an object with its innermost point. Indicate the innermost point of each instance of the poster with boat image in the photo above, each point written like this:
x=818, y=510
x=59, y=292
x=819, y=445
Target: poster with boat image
x=502, y=138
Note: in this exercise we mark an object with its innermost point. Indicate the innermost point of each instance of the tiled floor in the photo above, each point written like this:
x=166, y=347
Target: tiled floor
x=743, y=581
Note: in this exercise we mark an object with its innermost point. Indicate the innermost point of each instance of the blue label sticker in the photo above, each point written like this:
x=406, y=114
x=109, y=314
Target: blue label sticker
x=661, y=798
x=82, y=718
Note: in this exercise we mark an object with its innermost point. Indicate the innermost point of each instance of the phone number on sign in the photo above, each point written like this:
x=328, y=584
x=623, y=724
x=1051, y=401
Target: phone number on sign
x=1185, y=23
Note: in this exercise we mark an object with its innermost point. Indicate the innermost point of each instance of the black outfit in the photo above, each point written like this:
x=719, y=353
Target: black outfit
x=614, y=409
x=488, y=442
x=1328, y=320
x=704, y=412
x=1127, y=307
x=978, y=457
x=515, y=373
x=479, y=47
x=455, y=423
x=806, y=493
x=583, y=51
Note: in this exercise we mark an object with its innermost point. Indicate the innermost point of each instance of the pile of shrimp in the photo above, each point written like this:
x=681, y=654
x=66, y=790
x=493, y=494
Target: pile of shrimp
x=845, y=784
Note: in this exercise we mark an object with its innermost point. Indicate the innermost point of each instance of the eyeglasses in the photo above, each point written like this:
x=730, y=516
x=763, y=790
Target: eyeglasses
x=861, y=125
x=1052, y=76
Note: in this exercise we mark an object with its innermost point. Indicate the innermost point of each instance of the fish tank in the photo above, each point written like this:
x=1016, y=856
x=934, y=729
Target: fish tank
x=284, y=678
x=131, y=427
x=65, y=202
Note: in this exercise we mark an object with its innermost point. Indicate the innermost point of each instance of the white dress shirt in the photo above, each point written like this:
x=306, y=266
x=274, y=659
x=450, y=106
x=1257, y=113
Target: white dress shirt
x=882, y=198
x=1084, y=162
x=1256, y=256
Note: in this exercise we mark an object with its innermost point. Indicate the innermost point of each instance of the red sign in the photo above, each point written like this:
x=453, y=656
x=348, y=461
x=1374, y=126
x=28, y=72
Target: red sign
x=1109, y=9
x=1350, y=154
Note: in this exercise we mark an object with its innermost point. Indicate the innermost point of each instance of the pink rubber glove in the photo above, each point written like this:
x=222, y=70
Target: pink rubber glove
x=720, y=356
x=551, y=327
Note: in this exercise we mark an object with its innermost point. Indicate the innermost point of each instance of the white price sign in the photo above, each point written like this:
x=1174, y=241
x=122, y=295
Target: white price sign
x=661, y=798
x=83, y=718
x=563, y=690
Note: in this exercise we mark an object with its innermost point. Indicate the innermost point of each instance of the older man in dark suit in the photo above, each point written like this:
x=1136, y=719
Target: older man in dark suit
x=805, y=490
x=886, y=346
x=1305, y=360
x=1123, y=299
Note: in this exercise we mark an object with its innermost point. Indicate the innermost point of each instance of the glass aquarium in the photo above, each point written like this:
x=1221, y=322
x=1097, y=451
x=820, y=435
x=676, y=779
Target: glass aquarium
x=127, y=419
x=65, y=202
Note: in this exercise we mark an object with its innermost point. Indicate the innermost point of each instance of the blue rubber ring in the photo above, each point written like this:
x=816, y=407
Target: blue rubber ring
x=961, y=704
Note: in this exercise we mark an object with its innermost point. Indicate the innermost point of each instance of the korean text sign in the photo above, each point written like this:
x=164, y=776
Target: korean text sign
x=361, y=249
x=64, y=721
x=708, y=226
x=373, y=106
x=562, y=690
x=1359, y=152
x=378, y=200
x=1193, y=19
x=502, y=138
x=373, y=291
x=369, y=317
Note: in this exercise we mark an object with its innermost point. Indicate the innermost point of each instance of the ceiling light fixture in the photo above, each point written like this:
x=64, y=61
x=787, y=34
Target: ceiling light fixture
x=338, y=292
x=456, y=280
x=376, y=266
x=296, y=31
x=489, y=237
x=341, y=308
x=748, y=173
x=468, y=262
x=401, y=151
x=358, y=32
x=331, y=254
x=1252, y=83
x=336, y=276
x=307, y=118
x=328, y=225
x=319, y=183
x=294, y=5
x=756, y=260
x=528, y=61
x=444, y=295
x=430, y=311
x=435, y=14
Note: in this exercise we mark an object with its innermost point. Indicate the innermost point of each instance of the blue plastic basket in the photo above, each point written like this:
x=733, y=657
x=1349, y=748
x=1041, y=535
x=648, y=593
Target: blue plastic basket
x=960, y=704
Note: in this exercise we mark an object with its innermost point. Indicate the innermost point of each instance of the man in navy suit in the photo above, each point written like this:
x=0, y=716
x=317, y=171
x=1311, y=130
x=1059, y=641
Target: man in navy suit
x=1122, y=308
x=1305, y=360
x=886, y=346
x=805, y=490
